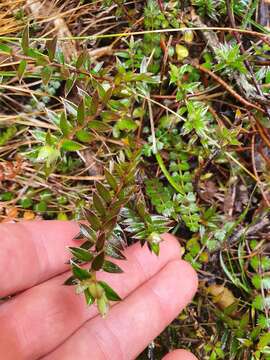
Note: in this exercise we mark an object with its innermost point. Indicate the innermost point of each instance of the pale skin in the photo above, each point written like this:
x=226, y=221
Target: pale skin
x=45, y=320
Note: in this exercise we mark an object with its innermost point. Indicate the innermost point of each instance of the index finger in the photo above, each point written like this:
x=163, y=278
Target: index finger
x=31, y=252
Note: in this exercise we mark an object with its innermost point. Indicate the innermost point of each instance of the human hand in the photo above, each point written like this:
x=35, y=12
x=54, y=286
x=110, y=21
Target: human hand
x=47, y=320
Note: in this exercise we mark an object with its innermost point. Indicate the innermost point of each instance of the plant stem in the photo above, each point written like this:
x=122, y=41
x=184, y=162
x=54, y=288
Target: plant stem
x=170, y=30
x=167, y=175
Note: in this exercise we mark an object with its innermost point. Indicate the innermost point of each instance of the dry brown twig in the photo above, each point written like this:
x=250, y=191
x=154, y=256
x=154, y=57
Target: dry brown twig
x=227, y=87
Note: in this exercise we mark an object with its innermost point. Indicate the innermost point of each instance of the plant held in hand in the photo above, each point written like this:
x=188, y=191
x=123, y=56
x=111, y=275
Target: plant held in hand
x=111, y=203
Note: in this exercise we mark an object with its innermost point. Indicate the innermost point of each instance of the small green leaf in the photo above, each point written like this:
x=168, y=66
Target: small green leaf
x=93, y=219
x=119, y=169
x=141, y=208
x=111, y=180
x=258, y=302
x=70, y=145
x=47, y=154
x=49, y=139
x=26, y=202
x=70, y=82
x=110, y=224
x=125, y=124
x=25, y=39
x=84, y=136
x=88, y=233
x=107, y=95
x=98, y=203
x=81, y=113
x=51, y=47
x=81, y=59
x=114, y=252
x=110, y=293
x=88, y=297
x=80, y=273
x=6, y=196
x=94, y=105
x=21, y=69
x=81, y=254
x=87, y=244
x=103, y=192
x=100, y=242
x=40, y=58
x=41, y=206
x=5, y=48
x=103, y=305
x=110, y=267
x=64, y=126
x=264, y=341
x=256, y=281
x=46, y=74
x=39, y=135
x=155, y=248
x=99, y=126
x=99, y=88
x=98, y=261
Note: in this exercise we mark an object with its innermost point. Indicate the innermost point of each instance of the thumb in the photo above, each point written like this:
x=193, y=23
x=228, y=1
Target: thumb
x=179, y=355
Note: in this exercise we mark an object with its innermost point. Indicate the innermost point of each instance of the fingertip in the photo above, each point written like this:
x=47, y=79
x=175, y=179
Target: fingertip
x=169, y=237
x=182, y=285
x=192, y=275
x=171, y=241
x=67, y=230
x=174, y=287
x=180, y=355
x=69, y=226
x=185, y=279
